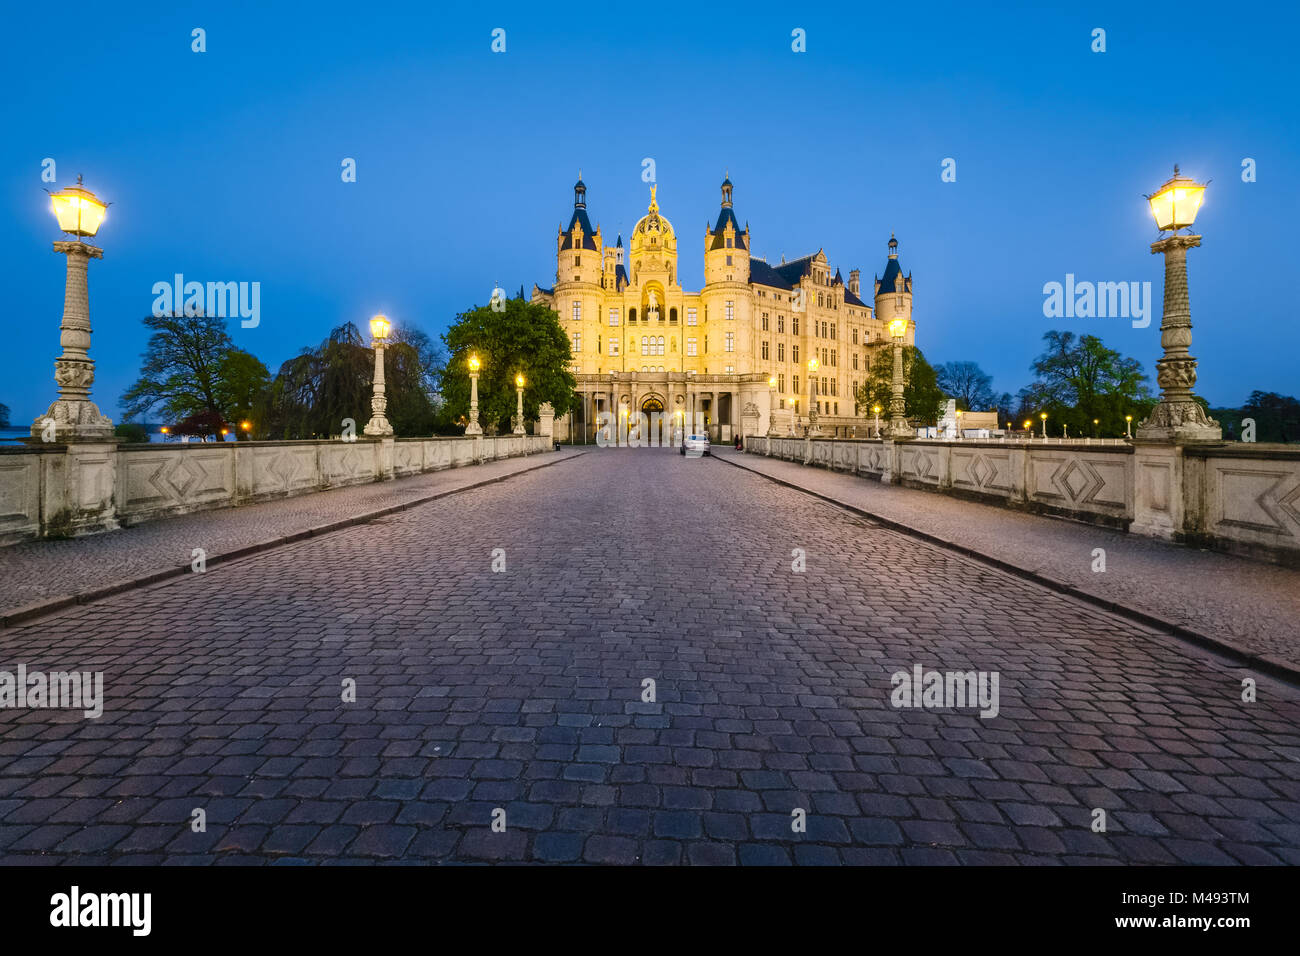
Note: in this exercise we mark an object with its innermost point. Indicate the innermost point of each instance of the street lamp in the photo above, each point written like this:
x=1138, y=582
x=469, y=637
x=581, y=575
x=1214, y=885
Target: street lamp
x=75, y=417
x=378, y=426
x=875, y=410
x=959, y=424
x=473, y=428
x=1177, y=415
x=1128, y=426
x=897, y=421
x=813, y=366
x=1043, y=416
x=1028, y=425
x=1096, y=422
x=519, y=406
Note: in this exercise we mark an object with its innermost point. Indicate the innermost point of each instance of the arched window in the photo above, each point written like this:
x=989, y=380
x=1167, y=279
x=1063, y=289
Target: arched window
x=660, y=346
x=631, y=315
x=672, y=315
x=645, y=350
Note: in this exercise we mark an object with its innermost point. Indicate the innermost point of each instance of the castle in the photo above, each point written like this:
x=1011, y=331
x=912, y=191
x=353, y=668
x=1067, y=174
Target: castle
x=735, y=355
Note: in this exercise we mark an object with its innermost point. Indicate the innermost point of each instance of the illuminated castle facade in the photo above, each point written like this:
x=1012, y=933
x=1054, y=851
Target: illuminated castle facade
x=736, y=354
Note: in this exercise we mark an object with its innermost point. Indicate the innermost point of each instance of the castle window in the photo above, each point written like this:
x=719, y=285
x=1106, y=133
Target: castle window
x=764, y=321
x=690, y=317
x=659, y=346
x=613, y=317
x=780, y=324
x=855, y=361
x=577, y=311
x=820, y=303
x=764, y=351
x=690, y=346
x=577, y=342
x=833, y=330
x=598, y=345
x=780, y=351
x=729, y=245
x=855, y=336
x=577, y=261
x=780, y=382
x=728, y=263
x=794, y=326
x=613, y=346
x=834, y=361
x=731, y=310
x=645, y=346
x=672, y=316
x=730, y=370
x=631, y=315
x=794, y=386
x=731, y=342
x=794, y=354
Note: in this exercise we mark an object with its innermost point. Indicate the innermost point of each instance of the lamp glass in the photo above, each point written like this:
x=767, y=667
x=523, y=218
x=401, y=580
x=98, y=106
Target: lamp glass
x=812, y=365
x=1176, y=203
x=380, y=327
x=519, y=380
x=898, y=328
x=473, y=363
x=78, y=211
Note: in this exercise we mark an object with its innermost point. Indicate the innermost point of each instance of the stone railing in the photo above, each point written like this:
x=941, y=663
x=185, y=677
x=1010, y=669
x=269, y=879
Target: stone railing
x=1229, y=496
x=63, y=490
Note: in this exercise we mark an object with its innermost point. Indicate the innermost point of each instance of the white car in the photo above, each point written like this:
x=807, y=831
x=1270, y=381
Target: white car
x=695, y=445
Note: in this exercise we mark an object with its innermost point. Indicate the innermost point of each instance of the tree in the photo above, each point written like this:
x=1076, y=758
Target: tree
x=921, y=393
x=525, y=337
x=4, y=414
x=1277, y=417
x=191, y=367
x=314, y=392
x=968, y=384
x=1079, y=379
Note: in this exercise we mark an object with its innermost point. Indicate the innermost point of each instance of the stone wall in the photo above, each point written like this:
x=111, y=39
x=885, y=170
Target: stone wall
x=1229, y=496
x=62, y=490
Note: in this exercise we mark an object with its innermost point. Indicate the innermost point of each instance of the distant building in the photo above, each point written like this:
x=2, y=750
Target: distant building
x=642, y=343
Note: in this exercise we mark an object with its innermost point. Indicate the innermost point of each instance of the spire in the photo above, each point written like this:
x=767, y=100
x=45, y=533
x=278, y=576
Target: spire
x=726, y=192
x=654, y=205
x=893, y=247
x=580, y=193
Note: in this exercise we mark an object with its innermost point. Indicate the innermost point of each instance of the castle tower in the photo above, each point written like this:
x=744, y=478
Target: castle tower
x=726, y=246
x=578, y=249
x=894, y=295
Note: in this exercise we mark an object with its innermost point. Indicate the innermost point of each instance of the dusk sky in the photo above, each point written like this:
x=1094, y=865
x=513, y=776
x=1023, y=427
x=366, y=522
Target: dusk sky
x=225, y=165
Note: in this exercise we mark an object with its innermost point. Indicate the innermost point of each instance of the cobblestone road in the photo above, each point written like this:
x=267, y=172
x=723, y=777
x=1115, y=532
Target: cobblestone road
x=522, y=691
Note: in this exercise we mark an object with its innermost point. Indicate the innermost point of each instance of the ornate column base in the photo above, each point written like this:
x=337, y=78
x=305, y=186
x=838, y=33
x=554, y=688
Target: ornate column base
x=1179, y=421
x=378, y=428
x=73, y=420
x=473, y=428
x=899, y=431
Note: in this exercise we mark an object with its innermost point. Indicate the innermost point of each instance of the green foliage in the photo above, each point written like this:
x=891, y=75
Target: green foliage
x=4, y=414
x=523, y=338
x=921, y=393
x=131, y=433
x=1277, y=417
x=1078, y=380
x=191, y=367
x=315, y=391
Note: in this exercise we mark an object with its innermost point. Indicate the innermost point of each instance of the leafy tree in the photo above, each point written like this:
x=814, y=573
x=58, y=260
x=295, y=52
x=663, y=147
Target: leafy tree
x=1277, y=417
x=523, y=338
x=966, y=382
x=191, y=367
x=4, y=414
x=131, y=433
x=921, y=393
x=1078, y=380
x=316, y=390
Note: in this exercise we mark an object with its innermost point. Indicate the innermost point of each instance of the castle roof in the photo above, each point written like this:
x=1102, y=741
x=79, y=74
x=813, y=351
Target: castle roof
x=588, y=234
x=760, y=273
x=893, y=280
x=726, y=215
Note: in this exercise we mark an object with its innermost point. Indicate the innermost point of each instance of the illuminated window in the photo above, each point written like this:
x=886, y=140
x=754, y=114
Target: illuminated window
x=764, y=349
x=690, y=317
x=730, y=345
x=613, y=317
x=690, y=346
x=780, y=351
x=731, y=310
x=577, y=311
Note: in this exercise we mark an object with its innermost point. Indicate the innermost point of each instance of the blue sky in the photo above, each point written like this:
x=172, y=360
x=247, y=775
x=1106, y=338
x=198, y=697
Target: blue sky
x=225, y=165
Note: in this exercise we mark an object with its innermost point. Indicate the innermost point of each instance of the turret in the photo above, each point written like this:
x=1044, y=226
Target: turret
x=893, y=294
x=578, y=250
x=726, y=245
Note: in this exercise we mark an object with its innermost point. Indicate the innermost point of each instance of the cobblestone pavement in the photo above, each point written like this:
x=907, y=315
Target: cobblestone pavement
x=1254, y=606
x=37, y=571
x=521, y=691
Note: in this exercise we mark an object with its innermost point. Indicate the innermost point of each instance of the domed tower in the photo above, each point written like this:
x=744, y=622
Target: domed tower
x=894, y=296
x=726, y=245
x=652, y=262
x=578, y=249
